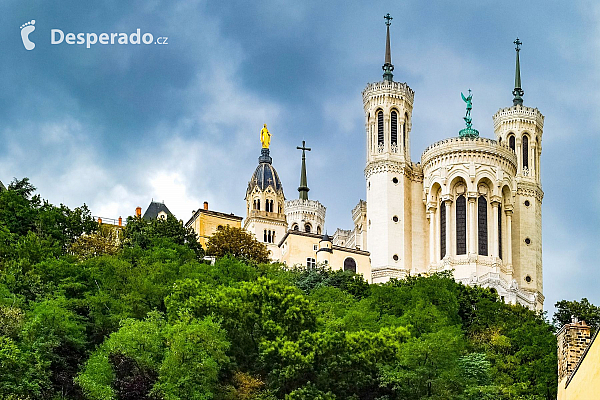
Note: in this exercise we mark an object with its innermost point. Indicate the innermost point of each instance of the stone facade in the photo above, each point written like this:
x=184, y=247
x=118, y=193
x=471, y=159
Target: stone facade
x=305, y=215
x=206, y=222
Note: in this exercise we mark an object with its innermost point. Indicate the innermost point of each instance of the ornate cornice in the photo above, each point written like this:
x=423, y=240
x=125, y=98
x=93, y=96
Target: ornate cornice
x=379, y=166
x=531, y=190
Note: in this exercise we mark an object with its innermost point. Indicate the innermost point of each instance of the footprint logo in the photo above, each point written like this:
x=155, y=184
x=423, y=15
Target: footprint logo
x=26, y=29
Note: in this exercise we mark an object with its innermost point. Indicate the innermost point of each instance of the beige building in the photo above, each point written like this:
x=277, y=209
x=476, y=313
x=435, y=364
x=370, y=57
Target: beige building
x=310, y=249
x=578, y=361
x=206, y=222
x=471, y=205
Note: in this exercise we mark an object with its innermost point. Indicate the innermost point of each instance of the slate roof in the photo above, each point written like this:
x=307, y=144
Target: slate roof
x=2, y=187
x=154, y=208
x=263, y=177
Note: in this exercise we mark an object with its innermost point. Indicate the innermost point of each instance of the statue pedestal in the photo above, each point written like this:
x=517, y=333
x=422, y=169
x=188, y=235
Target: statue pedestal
x=265, y=157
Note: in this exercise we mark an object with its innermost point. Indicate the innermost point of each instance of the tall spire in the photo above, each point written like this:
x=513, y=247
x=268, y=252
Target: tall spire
x=388, y=67
x=303, y=189
x=518, y=92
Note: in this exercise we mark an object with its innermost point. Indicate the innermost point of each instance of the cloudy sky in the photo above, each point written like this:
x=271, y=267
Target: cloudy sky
x=114, y=126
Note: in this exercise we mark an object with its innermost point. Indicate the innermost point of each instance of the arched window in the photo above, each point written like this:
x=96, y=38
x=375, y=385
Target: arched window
x=307, y=228
x=461, y=225
x=265, y=236
x=525, y=152
x=318, y=230
x=273, y=237
x=295, y=227
x=380, y=128
x=404, y=129
x=394, y=121
x=511, y=142
x=269, y=237
x=350, y=264
x=500, y=231
x=442, y=230
x=258, y=204
x=482, y=231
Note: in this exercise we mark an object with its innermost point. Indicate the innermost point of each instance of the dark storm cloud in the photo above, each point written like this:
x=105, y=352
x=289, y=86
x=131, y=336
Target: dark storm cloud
x=114, y=126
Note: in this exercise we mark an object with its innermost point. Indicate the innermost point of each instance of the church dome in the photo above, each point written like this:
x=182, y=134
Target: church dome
x=264, y=176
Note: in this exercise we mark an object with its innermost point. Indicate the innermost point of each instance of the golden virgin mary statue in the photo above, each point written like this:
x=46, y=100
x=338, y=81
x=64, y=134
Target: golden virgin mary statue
x=265, y=137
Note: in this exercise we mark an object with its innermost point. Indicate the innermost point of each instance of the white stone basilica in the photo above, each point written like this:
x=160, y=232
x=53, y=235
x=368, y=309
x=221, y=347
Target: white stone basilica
x=471, y=205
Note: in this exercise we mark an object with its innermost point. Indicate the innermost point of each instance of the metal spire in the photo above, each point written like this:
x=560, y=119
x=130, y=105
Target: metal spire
x=303, y=189
x=518, y=92
x=388, y=67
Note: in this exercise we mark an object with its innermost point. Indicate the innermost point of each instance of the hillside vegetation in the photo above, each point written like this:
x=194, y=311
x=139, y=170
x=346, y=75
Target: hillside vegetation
x=90, y=313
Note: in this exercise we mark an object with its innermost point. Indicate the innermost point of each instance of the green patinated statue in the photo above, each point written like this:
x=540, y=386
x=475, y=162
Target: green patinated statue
x=468, y=131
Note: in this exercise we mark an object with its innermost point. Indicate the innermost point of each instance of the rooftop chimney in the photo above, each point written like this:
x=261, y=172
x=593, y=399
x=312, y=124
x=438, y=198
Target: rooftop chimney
x=138, y=212
x=120, y=221
x=206, y=205
x=572, y=340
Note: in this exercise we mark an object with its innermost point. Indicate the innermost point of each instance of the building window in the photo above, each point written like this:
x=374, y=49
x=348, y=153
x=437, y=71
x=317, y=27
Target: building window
x=219, y=227
x=311, y=263
x=269, y=237
x=265, y=236
x=404, y=126
x=325, y=262
x=315, y=247
x=500, y=232
x=295, y=227
x=395, y=180
x=394, y=121
x=482, y=232
x=442, y=230
x=380, y=128
x=511, y=142
x=461, y=225
x=527, y=241
x=395, y=257
x=350, y=265
x=318, y=230
x=307, y=228
x=525, y=152
x=395, y=218
x=258, y=204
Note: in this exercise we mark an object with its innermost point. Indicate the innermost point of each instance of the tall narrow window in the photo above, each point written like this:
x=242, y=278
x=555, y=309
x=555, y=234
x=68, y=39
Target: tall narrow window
x=380, y=128
x=442, y=230
x=525, y=152
x=394, y=121
x=511, y=142
x=269, y=237
x=500, y=232
x=482, y=232
x=461, y=225
x=404, y=128
x=258, y=204
x=265, y=237
x=307, y=228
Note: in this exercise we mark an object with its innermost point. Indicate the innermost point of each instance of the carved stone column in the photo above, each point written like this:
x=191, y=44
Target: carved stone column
x=508, y=211
x=431, y=215
x=472, y=219
x=495, y=203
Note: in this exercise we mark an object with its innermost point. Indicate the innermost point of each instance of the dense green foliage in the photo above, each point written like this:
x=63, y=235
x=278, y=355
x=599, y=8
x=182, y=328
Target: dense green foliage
x=86, y=316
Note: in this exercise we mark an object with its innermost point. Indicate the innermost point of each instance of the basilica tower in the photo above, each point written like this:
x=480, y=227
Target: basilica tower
x=389, y=172
x=265, y=216
x=521, y=128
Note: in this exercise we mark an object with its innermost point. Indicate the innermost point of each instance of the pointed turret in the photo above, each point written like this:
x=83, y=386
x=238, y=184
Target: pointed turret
x=303, y=189
x=388, y=67
x=518, y=92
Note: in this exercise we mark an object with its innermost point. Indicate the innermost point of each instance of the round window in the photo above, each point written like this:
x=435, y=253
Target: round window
x=528, y=279
x=527, y=203
x=395, y=257
x=395, y=180
x=527, y=241
x=395, y=218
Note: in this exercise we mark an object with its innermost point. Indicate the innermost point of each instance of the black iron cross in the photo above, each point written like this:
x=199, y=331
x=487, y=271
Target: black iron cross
x=388, y=19
x=303, y=147
x=518, y=43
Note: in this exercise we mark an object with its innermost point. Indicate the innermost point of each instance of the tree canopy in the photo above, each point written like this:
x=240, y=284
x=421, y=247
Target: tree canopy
x=86, y=316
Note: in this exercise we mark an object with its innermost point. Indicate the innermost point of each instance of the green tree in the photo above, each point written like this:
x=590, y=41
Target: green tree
x=238, y=243
x=148, y=233
x=582, y=310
